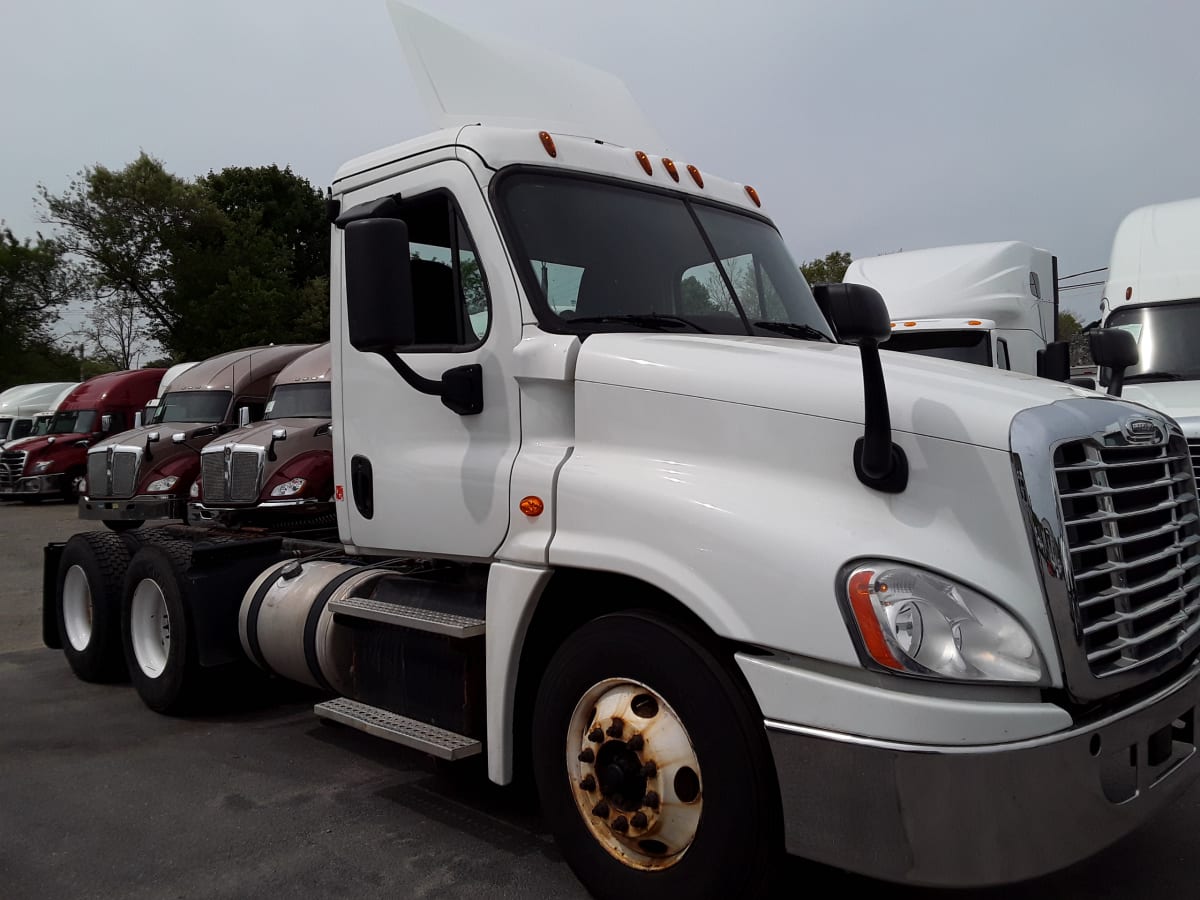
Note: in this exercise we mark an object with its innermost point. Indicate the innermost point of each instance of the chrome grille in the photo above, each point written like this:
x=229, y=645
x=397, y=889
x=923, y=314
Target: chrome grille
x=243, y=476
x=97, y=474
x=1132, y=534
x=1194, y=449
x=212, y=471
x=12, y=467
x=124, y=473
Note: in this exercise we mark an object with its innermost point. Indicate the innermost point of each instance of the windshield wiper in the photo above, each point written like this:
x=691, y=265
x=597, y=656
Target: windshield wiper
x=796, y=330
x=646, y=320
x=1154, y=376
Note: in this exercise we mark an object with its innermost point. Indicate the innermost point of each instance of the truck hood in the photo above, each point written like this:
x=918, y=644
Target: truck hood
x=302, y=435
x=136, y=437
x=37, y=443
x=1178, y=399
x=931, y=397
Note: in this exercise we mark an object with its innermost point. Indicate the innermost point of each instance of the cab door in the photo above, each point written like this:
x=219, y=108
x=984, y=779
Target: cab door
x=414, y=476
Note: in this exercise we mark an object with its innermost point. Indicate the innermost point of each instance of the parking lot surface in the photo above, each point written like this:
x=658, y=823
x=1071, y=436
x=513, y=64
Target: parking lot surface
x=100, y=797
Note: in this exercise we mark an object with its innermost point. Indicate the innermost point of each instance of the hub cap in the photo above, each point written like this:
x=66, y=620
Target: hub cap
x=77, y=608
x=634, y=774
x=150, y=628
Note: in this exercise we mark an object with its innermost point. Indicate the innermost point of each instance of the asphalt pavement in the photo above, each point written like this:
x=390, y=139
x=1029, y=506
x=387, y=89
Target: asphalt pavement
x=100, y=797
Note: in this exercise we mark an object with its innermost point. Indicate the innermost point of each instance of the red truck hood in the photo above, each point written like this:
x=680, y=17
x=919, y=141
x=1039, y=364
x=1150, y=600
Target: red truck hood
x=38, y=443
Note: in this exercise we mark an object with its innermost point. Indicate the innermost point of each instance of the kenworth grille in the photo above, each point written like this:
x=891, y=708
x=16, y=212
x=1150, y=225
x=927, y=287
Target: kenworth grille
x=112, y=472
x=231, y=474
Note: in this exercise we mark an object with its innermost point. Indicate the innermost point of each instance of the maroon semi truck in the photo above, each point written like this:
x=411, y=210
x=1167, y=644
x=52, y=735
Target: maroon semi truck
x=54, y=464
x=146, y=473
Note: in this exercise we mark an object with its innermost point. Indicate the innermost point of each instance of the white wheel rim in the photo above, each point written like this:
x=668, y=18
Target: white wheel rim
x=150, y=628
x=77, y=608
x=616, y=722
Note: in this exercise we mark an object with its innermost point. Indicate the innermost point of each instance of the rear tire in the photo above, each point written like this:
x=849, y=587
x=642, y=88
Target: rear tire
x=706, y=821
x=91, y=575
x=159, y=650
x=119, y=525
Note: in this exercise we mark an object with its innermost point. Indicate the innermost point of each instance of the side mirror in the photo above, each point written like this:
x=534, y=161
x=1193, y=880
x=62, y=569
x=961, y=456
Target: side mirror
x=1114, y=349
x=1054, y=361
x=178, y=437
x=279, y=434
x=106, y=423
x=379, y=293
x=153, y=437
x=860, y=317
x=243, y=416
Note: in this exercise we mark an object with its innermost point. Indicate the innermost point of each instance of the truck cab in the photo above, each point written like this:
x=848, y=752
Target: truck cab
x=993, y=304
x=1153, y=292
x=278, y=471
x=146, y=473
x=19, y=405
x=53, y=464
x=147, y=414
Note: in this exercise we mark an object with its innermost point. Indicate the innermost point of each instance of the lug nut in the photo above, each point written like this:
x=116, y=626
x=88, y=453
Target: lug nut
x=649, y=770
x=621, y=824
x=596, y=736
x=636, y=743
x=651, y=799
x=601, y=810
x=616, y=729
x=587, y=756
x=639, y=820
x=588, y=783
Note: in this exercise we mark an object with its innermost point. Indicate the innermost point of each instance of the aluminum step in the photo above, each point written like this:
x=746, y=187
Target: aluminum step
x=402, y=730
x=408, y=617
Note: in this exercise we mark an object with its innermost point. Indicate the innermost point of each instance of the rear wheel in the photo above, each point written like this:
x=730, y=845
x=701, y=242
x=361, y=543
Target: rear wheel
x=123, y=524
x=653, y=771
x=159, y=649
x=90, y=578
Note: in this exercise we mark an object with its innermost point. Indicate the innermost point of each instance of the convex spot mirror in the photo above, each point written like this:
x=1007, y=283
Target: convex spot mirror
x=106, y=423
x=243, y=416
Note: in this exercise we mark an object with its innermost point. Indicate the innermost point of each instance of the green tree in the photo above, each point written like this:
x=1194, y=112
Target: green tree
x=1070, y=329
x=828, y=270
x=36, y=281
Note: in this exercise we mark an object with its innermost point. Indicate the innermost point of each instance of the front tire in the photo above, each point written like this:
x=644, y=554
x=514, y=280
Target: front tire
x=91, y=574
x=652, y=764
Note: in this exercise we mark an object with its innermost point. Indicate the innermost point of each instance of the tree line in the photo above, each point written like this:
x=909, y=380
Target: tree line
x=192, y=267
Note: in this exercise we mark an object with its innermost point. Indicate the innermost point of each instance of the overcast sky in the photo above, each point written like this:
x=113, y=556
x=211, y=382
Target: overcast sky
x=866, y=126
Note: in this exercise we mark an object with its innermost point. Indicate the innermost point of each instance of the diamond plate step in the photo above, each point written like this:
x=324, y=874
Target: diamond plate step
x=409, y=617
x=402, y=730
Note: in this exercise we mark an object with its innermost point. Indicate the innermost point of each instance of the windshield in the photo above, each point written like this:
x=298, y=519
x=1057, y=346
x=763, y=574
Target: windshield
x=599, y=256
x=1167, y=335
x=301, y=401
x=41, y=424
x=960, y=346
x=204, y=407
x=4, y=426
x=76, y=421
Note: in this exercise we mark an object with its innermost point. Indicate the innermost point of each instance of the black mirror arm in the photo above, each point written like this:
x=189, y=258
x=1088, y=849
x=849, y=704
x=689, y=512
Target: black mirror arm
x=461, y=388
x=878, y=462
x=1116, y=381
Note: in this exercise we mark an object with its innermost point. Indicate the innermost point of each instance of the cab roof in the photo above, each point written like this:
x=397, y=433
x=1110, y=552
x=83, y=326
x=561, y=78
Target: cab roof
x=315, y=365
x=131, y=387
x=239, y=370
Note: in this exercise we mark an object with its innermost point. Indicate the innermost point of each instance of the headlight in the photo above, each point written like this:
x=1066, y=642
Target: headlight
x=288, y=488
x=194, y=490
x=39, y=468
x=162, y=484
x=913, y=621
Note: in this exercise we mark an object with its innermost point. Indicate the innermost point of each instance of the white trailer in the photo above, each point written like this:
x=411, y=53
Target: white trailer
x=993, y=304
x=1153, y=291
x=723, y=585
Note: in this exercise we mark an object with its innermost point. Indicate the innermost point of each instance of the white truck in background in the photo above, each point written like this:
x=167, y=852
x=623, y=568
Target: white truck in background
x=1153, y=292
x=992, y=304
x=723, y=585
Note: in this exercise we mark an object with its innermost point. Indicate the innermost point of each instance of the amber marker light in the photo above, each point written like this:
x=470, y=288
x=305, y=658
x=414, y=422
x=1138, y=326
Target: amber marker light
x=669, y=165
x=645, y=161
x=532, y=506
x=753, y=195
x=1129, y=293
x=548, y=143
x=695, y=173
x=974, y=322
x=859, y=589
x=909, y=324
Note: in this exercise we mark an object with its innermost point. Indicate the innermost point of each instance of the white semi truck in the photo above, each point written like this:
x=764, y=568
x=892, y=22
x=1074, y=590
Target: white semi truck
x=993, y=304
x=720, y=584
x=1153, y=291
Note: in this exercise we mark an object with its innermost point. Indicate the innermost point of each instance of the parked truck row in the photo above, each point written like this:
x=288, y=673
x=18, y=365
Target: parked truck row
x=714, y=575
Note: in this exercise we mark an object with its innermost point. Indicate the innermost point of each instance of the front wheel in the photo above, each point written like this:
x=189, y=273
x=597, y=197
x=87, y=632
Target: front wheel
x=653, y=771
x=73, y=486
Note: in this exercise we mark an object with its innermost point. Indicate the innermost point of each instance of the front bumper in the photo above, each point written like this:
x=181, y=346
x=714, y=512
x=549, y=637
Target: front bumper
x=33, y=486
x=962, y=816
x=141, y=508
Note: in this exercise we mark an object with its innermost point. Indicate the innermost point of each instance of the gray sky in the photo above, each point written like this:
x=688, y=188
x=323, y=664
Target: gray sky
x=866, y=126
